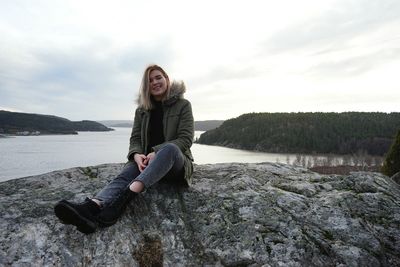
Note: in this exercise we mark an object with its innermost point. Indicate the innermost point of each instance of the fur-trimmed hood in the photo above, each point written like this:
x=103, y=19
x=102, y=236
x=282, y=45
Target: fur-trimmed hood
x=177, y=90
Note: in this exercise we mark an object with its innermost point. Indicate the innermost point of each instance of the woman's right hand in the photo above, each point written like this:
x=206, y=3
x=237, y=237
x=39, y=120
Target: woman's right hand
x=140, y=160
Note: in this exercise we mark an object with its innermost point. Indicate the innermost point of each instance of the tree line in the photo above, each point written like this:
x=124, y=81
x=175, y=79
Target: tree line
x=308, y=133
x=14, y=122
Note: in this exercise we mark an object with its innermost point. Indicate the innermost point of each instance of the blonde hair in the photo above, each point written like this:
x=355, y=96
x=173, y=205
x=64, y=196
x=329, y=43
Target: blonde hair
x=144, y=91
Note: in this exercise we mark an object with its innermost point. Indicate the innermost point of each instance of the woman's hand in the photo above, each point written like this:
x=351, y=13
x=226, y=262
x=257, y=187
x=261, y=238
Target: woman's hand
x=140, y=160
x=149, y=157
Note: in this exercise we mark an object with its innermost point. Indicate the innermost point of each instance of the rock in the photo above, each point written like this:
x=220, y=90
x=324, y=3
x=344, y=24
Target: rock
x=396, y=177
x=265, y=214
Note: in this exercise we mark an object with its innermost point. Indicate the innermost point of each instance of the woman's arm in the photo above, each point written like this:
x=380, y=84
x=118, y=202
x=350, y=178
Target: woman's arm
x=135, y=141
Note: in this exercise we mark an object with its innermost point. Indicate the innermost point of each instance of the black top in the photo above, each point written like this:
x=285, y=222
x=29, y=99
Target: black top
x=156, y=125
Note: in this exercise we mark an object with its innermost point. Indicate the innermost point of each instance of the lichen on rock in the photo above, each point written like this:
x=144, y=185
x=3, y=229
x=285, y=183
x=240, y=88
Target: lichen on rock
x=234, y=214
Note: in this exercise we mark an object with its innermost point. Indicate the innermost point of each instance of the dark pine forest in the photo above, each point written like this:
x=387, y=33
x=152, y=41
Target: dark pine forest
x=337, y=133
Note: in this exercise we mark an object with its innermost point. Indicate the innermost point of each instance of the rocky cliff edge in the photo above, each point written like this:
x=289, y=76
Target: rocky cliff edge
x=262, y=214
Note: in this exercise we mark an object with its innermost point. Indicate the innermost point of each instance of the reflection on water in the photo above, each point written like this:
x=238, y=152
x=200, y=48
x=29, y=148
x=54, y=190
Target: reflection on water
x=31, y=155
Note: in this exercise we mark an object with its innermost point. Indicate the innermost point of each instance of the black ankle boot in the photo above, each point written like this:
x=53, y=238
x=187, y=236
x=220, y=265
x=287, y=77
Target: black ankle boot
x=82, y=215
x=110, y=213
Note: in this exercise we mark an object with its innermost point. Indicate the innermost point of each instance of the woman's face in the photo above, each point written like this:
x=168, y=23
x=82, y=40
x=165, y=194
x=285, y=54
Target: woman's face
x=158, y=84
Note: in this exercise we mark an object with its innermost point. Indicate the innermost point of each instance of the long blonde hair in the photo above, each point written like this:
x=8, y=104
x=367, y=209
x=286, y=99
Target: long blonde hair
x=144, y=91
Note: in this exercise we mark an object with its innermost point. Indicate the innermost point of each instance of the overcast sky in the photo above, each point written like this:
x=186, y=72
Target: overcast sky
x=84, y=59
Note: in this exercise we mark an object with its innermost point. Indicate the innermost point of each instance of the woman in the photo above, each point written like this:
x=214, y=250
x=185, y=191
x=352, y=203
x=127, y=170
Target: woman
x=160, y=142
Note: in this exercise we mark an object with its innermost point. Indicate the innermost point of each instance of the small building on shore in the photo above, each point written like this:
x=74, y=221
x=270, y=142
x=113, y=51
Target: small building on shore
x=27, y=133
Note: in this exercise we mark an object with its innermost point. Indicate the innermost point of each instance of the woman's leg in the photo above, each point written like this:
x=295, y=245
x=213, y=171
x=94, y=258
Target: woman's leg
x=84, y=215
x=118, y=184
x=168, y=160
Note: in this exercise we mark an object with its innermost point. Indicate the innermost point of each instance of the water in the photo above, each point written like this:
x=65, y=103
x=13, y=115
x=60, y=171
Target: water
x=31, y=155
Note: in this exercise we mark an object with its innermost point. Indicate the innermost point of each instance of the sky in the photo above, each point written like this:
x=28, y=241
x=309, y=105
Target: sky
x=85, y=59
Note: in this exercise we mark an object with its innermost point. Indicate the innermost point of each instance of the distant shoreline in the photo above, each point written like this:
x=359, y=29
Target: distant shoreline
x=198, y=125
x=27, y=124
x=45, y=134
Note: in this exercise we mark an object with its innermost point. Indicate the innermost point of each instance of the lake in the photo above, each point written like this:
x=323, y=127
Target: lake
x=22, y=156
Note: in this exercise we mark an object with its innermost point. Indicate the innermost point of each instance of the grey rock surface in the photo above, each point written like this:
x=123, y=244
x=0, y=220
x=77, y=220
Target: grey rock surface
x=234, y=215
x=396, y=177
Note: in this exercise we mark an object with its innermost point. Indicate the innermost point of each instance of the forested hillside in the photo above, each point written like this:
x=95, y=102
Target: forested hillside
x=340, y=133
x=207, y=125
x=16, y=122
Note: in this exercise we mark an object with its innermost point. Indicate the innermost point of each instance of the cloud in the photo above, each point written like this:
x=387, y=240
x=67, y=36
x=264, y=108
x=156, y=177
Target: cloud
x=346, y=39
x=353, y=65
x=60, y=79
x=253, y=56
x=336, y=27
x=226, y=73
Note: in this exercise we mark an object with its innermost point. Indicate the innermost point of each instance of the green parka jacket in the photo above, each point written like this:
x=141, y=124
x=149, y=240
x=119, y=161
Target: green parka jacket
x=178, y=127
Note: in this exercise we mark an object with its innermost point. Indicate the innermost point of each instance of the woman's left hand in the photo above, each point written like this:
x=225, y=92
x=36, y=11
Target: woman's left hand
x=149, y=157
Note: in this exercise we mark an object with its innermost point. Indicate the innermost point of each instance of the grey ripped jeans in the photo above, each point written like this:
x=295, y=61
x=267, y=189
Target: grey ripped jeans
x=167, y=163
